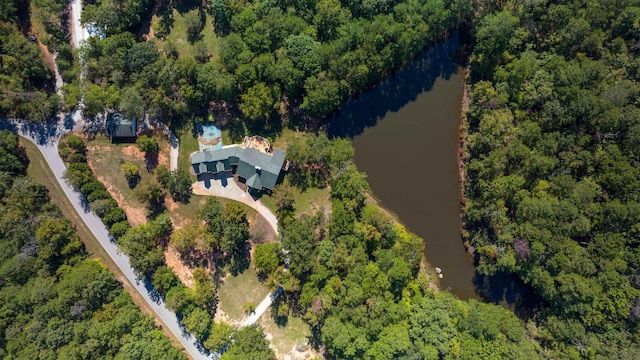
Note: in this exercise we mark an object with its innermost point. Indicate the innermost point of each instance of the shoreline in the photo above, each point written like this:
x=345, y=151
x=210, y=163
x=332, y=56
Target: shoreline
x=463, y=155
x=425, y=266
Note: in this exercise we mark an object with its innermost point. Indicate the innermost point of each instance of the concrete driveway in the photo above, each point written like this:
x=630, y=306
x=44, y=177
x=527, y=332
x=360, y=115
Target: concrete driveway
x=227, y=188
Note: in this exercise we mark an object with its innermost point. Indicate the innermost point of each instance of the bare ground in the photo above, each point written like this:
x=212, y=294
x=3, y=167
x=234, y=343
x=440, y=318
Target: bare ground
x=172, y=258
x=135, y=215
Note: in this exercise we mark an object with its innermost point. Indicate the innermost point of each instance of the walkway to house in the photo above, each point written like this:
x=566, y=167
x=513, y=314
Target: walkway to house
x=227, y=188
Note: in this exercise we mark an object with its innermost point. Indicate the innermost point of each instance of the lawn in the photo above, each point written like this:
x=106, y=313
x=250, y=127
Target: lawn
x=306, y=202
x=284, y=338
x=235, y=291
x=188, y=145
x=105, y=159
x=178, y=36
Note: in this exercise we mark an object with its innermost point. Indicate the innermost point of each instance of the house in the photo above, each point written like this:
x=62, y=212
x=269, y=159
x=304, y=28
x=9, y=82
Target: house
x=259, y=170
x=121, y=127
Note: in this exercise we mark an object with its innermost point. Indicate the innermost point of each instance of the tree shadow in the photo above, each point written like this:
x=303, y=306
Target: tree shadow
x=510, y=292
x=151, y=160
x=184, y=6
x=393, y=93
x=240, y=260
x=236, y=131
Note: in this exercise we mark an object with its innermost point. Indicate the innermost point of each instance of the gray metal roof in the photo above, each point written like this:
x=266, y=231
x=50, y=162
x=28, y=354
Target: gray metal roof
x=120, y=126
x=216, y=155
x=258, y=169
x=254, y=182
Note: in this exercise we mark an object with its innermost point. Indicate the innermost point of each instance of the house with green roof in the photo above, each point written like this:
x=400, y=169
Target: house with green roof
x=257, y=169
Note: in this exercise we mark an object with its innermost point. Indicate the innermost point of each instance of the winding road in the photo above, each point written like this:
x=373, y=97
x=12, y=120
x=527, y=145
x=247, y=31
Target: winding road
x=46, y=137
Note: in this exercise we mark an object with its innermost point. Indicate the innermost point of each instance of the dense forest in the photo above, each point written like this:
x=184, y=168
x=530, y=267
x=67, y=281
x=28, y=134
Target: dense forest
x=56, y=302
x=273, y=58
x=553, y=167
x=26, y=83
x=355, y=275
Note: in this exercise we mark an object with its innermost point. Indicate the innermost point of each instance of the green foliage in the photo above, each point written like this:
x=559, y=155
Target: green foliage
x=249, y=343
x=131, y=172
x=193, y=22
x=177, y=182
x=552, y=175
x=150, y=194
x=24, y=77
x=306, y=56
x=315, y=159
x=51, y=291
x=219, y=336
x=259, y=102
x=115, y=17
x=13, y=159
x=268, y=257
x=198, y=323
x=147, y=144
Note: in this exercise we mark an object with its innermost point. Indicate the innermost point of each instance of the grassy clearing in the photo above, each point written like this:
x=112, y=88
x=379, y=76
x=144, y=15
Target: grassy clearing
x=284, y=338
x=39, y=170
x=306, y=202
x=236, y=291
x=105, y=159
x=178, y=36
x=188, y=145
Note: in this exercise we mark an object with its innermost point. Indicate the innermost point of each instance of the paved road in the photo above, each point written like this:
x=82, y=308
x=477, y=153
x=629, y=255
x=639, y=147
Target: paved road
x=227, y=188
x=46, y=137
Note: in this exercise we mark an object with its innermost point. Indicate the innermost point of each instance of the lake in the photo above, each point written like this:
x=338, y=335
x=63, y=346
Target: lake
x=405, y=132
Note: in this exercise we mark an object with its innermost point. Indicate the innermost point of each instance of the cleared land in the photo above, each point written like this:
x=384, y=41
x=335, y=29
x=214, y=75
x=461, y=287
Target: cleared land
x=286, y=339
x=105, y=159
x=235, y=291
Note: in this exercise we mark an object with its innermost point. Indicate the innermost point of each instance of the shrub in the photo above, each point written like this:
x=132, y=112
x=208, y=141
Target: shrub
x=103, y=206
x=98, y=195
x=114, y=216
x=120, y=228
x=90, y=187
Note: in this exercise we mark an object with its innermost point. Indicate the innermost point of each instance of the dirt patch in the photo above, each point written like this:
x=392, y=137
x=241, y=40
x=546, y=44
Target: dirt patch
x=260, y=230
x=222, y=316
x=297, y=352
x=172, y=258
x=133, y=152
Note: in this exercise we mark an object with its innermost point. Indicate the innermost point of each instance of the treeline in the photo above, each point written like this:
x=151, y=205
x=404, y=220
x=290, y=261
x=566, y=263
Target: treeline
x=55, y=302
x=553, y=167
x=308, y=55
x=356, y=278
x=73, y=151
x=26, y=89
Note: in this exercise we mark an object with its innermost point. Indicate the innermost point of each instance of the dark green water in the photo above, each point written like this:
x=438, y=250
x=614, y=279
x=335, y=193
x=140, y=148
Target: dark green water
x=405, y=132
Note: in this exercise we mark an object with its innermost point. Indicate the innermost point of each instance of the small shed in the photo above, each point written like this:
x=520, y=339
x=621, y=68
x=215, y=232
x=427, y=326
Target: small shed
x=120, y=127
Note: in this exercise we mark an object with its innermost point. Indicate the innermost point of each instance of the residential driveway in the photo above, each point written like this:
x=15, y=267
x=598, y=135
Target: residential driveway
x=227, y=188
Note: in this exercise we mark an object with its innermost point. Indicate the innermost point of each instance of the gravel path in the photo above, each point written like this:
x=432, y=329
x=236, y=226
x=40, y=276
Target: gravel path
x=46, y=137
x=80, y=33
